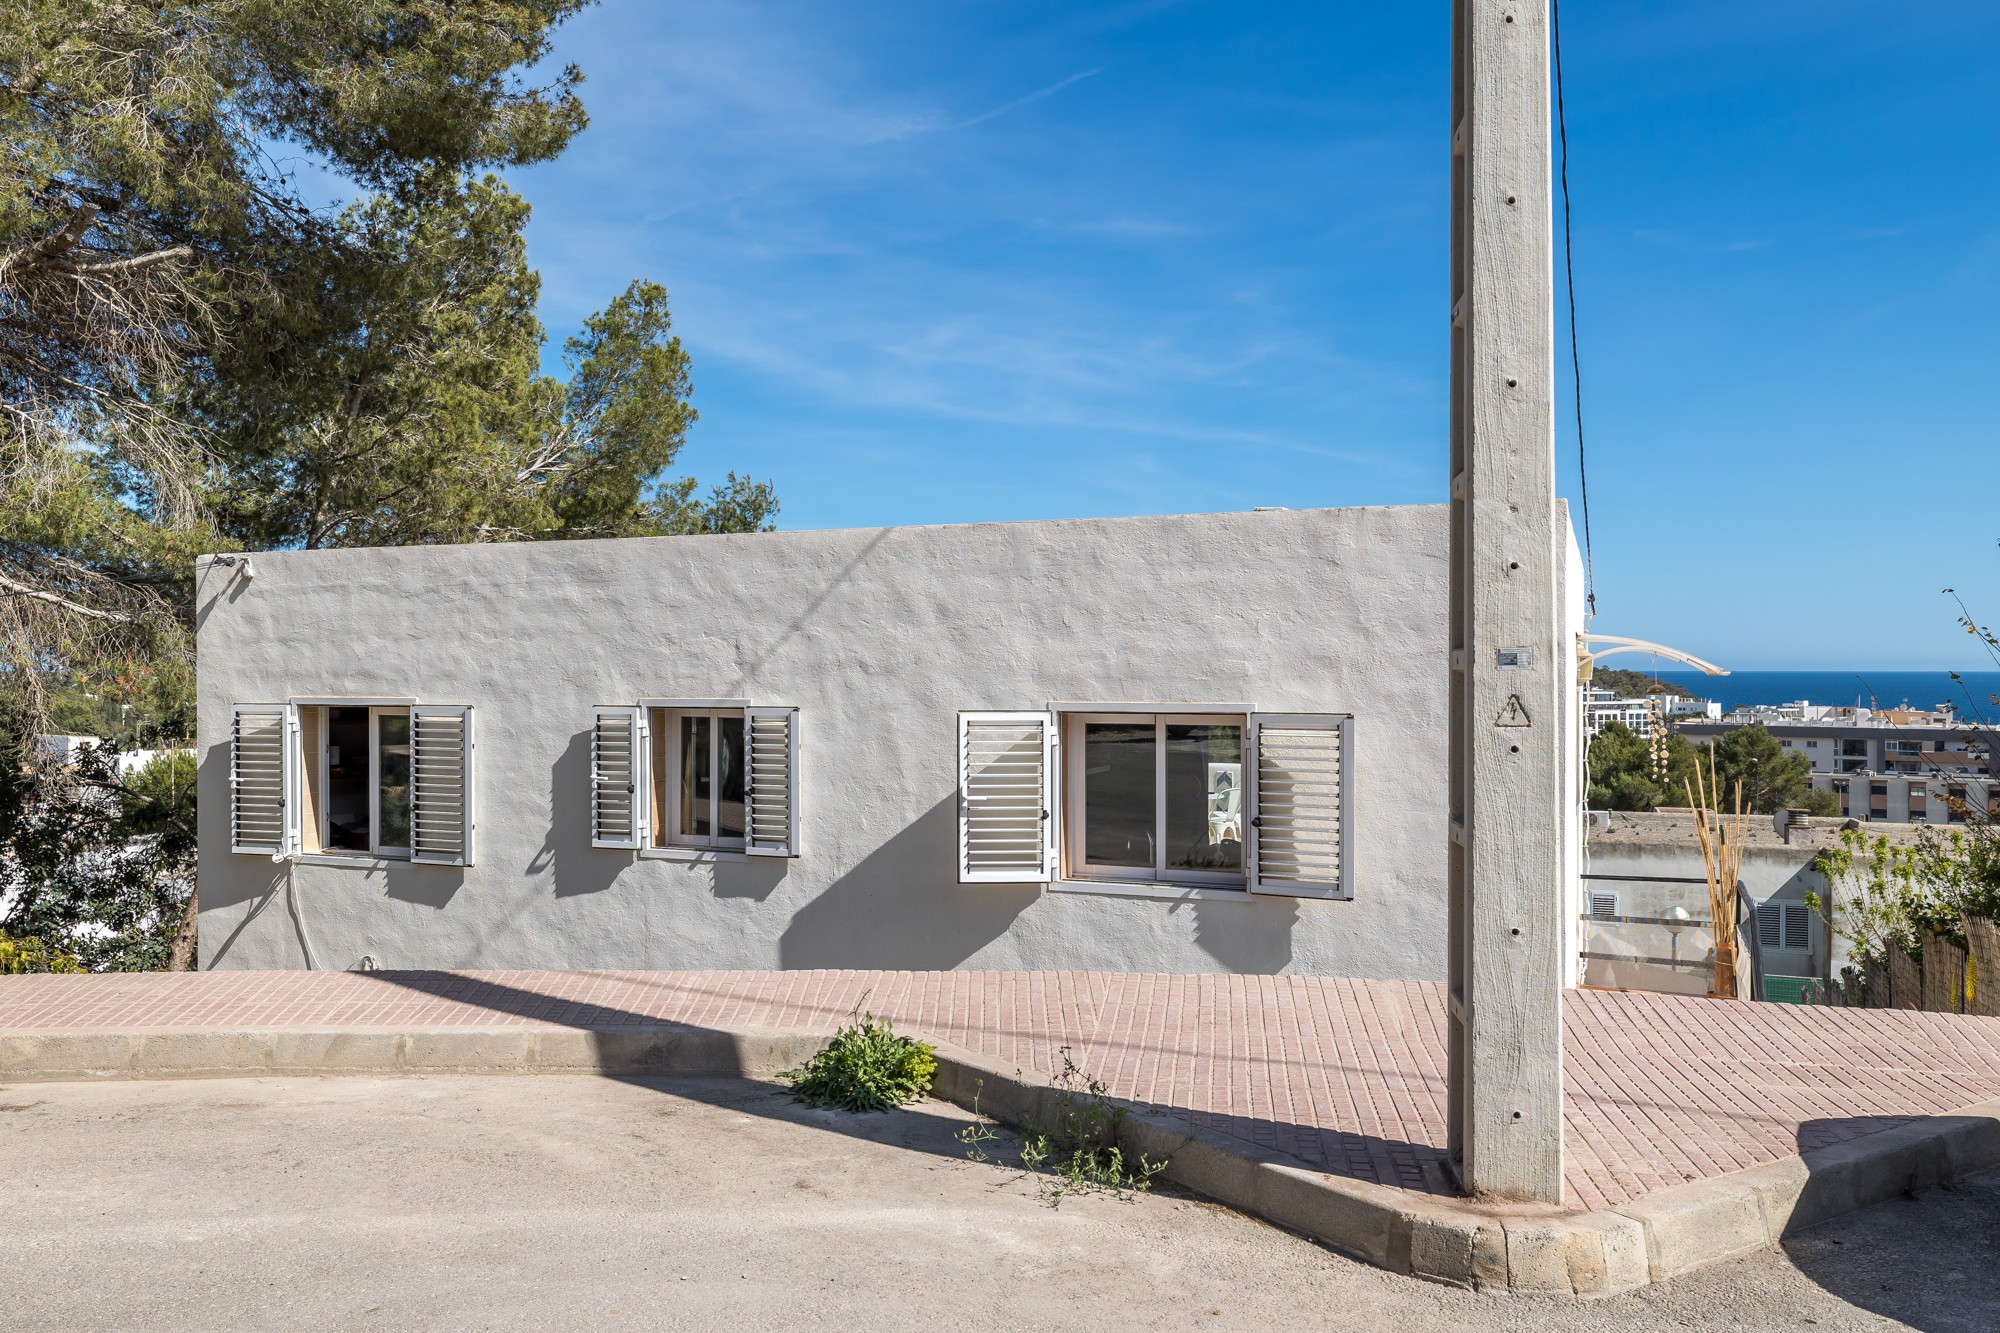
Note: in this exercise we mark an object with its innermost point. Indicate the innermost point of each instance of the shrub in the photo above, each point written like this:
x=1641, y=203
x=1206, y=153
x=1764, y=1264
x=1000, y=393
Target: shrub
x=31, y=955
x=866, y=1067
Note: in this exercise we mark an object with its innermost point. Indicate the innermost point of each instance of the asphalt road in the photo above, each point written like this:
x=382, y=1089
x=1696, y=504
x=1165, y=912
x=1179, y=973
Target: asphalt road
x=561, y=1203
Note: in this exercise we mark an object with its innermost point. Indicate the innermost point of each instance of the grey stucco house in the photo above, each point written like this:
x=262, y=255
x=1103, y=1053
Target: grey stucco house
x=1178, y=744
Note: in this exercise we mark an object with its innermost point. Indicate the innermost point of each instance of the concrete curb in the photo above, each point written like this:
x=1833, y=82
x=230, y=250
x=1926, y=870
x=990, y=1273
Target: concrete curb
x=280, y=1052
x=1436, y=1237
x=1467, y=1244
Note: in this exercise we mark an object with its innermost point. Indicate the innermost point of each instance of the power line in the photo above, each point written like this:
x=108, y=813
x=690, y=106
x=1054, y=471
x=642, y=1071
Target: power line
x=1569, y=285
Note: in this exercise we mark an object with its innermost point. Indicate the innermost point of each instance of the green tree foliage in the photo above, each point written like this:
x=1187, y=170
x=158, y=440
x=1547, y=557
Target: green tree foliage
x=31, y=955
x=1623, y=774
x=141, y=218
x=1635, y=684
x=192, y=356
x=1886, y=893
x=98, y=867
x=1770, y=779
x=403, y=401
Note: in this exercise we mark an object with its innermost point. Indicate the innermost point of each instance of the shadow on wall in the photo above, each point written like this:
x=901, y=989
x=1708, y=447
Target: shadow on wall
x=577, y=868
x=902, y=906
x=425, y=886
x=1253, y=937
x=566, y=854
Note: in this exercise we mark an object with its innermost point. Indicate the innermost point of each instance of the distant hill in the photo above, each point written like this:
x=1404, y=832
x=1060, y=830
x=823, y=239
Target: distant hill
x=1636, y=684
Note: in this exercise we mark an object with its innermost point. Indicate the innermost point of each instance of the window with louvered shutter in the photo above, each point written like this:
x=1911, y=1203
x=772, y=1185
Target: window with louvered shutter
x=1006, y=805
x=261, y=779
x=771, y=820
x=1301, y=805
x=1770, y=925
x=441, y=784
x=619, y=801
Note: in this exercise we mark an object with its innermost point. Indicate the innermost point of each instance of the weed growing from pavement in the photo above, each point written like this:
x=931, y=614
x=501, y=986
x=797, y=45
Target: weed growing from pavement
x=866, y=1067
x=1077, y=1150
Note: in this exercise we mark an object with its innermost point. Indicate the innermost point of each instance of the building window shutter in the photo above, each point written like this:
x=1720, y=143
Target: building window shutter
x=619, y=801
x=263, y=780
x=441, y=784
x=1770, y=925
x=1301, y=805
x=771, y=761
x=1798, y=927
x=1006, y=798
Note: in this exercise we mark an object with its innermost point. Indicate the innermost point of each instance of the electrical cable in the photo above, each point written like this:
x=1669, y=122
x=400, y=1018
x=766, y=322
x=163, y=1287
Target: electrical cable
x=1569, y=283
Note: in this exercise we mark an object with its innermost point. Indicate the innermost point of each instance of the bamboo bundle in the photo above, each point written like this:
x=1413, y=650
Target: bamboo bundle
x=1722, y=839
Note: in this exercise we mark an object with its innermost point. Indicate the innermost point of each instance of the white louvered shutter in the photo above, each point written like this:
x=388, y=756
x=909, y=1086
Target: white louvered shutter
x=771, y=781
x=441, y=784
x=1301, y=806
x=1006, y=798
x=619, y=801
x=263, y=780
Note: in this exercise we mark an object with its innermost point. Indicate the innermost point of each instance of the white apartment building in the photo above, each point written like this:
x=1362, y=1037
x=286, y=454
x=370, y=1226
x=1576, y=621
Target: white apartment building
x=1602, y=707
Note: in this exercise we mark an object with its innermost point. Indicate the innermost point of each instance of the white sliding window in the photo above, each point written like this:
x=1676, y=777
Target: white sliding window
x=703, y=787
x=1301, y=805
x=357, y=765
x=1006, y=798
x=1155, y=797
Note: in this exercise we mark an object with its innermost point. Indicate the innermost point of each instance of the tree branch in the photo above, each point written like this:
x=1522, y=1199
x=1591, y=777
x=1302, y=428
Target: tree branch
x=42, y=251
x=10, y=587
x=137, y=262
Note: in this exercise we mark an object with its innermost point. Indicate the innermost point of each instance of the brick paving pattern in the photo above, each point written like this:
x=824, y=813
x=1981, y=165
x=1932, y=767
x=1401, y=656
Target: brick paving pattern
x=1345, y=1075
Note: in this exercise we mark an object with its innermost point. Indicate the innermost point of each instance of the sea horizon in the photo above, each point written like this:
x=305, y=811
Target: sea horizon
x=1972, y=694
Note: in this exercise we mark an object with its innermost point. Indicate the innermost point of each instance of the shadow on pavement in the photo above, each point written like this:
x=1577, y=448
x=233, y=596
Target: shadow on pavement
x=1389, y=1162
x=1931, y=1262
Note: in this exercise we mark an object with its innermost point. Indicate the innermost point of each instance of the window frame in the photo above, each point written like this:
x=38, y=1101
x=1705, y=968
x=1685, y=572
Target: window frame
x=667, y=839
x=321, y=767
x=1073, y=832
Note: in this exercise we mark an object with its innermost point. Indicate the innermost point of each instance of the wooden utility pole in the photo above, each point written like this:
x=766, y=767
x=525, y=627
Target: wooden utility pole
x=1510, y=662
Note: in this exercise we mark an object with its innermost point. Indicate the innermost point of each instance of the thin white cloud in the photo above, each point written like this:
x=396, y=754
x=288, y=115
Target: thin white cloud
x=1035, y=96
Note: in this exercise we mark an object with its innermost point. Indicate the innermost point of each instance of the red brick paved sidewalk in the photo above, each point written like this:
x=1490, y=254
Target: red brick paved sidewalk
x=1346, y=1075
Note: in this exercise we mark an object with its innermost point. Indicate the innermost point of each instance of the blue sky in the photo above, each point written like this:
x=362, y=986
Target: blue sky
x=950, y=262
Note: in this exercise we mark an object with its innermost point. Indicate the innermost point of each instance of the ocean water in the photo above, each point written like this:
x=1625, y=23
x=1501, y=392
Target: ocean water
x=1874, y=689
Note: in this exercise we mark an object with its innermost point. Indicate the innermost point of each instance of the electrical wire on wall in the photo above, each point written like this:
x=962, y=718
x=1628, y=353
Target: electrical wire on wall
x=298, y=920
x=1569, y=285
x=1582, y=469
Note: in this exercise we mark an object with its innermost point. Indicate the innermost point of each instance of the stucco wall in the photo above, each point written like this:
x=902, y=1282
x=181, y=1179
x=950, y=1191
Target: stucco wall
x=880, y=637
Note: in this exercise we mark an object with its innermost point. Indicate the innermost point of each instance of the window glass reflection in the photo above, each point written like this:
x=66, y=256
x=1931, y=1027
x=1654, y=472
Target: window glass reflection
x=1204, y=797
x=1119, y=777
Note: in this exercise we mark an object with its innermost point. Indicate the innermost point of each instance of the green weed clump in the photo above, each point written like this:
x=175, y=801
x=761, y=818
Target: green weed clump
x=866, y=1067
x=1076, y=1149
